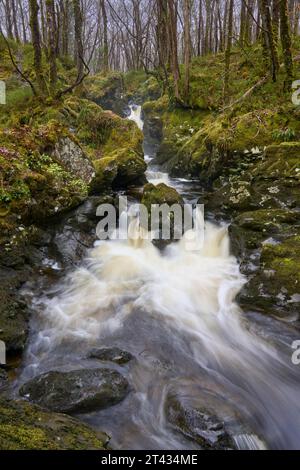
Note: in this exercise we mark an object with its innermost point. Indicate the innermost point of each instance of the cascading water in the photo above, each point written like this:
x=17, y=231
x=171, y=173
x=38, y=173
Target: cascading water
x=175, y=311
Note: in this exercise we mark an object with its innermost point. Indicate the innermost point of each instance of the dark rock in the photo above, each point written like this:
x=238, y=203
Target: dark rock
x=197, y=425
x=3, y=378
x=24, y=426
x=77, y=391
x=111, y=355
x=14, y=316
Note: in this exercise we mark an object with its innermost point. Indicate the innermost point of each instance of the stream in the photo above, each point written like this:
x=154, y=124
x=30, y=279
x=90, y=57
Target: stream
x=175, y=312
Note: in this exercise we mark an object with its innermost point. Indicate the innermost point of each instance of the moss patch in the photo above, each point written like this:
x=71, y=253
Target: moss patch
x=27, y=427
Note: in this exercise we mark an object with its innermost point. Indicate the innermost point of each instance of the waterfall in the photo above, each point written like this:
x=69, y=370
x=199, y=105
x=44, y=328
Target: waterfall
x=175, y=310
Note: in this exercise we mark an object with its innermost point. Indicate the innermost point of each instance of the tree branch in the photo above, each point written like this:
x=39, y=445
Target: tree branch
x=22, y=75
x=78, y=81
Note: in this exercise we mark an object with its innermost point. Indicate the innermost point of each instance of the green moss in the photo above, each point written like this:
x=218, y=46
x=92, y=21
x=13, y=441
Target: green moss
x=27, y=427
x=284, y=260
x=160, y=194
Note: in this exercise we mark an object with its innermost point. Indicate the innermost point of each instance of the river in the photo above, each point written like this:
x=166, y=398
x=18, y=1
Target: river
x=175, y=311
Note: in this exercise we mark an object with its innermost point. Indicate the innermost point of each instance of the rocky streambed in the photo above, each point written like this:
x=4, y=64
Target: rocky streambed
x=136, y=342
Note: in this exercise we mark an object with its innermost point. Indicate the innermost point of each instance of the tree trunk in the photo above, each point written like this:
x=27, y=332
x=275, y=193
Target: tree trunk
x=8, y=19
x=174, y=47
x=187, y=48
x=50, y=17
x=15, y=23
x=286, y=44
x=228, y=51
x=23, y=21
x=243, y=22
x=78, y=37
x=105, y=37
x=269, y=43
x=36, y=42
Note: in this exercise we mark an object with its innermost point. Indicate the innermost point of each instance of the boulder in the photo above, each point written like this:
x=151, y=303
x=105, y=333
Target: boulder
x=160, y=194
x=197, y=425
x=76, y=391
x=111, y=355
x=3, y=379
x=70, y=155
x=24, y=426
x=121, y=169
x=14, y=313
x=275, y=287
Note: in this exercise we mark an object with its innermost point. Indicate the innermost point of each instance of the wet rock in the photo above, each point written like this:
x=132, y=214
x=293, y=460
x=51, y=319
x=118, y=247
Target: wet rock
x=70, y=155
x=111, y=355
x=3, y=379
x=24, y=426
x=14, y=313
x=275, y=287
x=197, y=425
x=77, y=391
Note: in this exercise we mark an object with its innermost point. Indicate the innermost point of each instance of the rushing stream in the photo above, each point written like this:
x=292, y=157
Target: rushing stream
x=174, y=310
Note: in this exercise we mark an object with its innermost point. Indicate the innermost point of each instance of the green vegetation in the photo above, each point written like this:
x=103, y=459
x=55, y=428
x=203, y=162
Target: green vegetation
x=27, y=427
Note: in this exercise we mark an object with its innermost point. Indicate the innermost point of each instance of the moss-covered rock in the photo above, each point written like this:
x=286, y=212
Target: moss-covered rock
x=107, y=91
x=77, y=391
x=160, y=194
x=27, y=427
x=275, y=287
x=120, y=170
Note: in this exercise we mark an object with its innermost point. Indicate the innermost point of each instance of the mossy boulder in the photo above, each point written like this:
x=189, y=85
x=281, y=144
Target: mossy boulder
x=160, y=194
x=37, y=185
x=249, y=229
x=107, y=91
x=106, y=172
x=275, y=287
x=24, y=426
x=120, y=170
x=77, y=391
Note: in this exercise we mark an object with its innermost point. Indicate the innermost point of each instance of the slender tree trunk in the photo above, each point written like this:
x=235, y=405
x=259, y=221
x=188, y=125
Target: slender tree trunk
x=36, y=42
x=286, y=43
x=15, y=23
x=174, y=46
x=187, y=47
x=200, y=29
x=65, y=8
x=228, y=52
x=50, y=17
x=249, y=21
x=105, y=37
x=78, y=36
x=8, y=20
x=269, y=42
x=23, y=21
x=243, y=22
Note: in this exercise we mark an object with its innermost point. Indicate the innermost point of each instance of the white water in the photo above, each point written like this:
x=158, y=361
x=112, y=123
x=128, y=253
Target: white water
x=153, y=176
x=187, y=301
